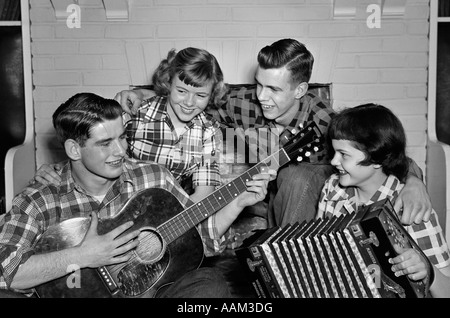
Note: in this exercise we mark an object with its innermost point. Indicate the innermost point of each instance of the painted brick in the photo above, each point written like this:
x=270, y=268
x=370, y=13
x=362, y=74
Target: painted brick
x=114, y=62
x=404, y=76
x=101, y=47
x=154, y=15
x=282, y=30
x=42, y=32
x=257, y=14
x=53, y=47
x=309, y=13
x=382, y=91
x=219, y=30
x=332, y=30
x=114, y=77
x=406, y=44
x=85, y=32
x=180, y=31
x=48, y=78
x=205, y=14
x=78, y=62
x=361, y=45
x=141, y=31
x=386, y=28
x=43, y=63
x=381, y=60
x=347, y=76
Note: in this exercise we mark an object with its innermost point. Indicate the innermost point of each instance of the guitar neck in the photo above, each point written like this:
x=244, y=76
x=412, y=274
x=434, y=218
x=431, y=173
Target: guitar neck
x=208, y=206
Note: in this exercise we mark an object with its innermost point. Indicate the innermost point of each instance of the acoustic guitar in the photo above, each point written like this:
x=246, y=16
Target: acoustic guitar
x=170, y=244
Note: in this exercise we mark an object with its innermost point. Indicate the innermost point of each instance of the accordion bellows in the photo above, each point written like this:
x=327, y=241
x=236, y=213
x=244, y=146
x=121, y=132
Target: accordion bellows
x=337, y=257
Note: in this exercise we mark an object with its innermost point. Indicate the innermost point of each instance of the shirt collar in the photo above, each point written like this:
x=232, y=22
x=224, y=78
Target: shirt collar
x=389, y=189
x=68, y=184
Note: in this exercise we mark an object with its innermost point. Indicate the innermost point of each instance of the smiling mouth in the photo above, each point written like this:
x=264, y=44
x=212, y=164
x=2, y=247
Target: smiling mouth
x=267, y=106
x=187, y=110
x=115, y=163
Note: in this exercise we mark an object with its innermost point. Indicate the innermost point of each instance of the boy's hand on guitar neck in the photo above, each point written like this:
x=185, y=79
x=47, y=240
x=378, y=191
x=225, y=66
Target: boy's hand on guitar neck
x=100, y=250
x=256, y=188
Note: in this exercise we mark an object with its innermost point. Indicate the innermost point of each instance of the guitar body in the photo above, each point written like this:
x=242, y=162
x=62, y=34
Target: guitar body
x=156, y=262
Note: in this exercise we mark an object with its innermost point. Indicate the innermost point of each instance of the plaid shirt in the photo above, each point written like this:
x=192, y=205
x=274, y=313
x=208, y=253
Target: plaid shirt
x=196, y=152
x=39, y=206
x=244, y=111
x=335, y=200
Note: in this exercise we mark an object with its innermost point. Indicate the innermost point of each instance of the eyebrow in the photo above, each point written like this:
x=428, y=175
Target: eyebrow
x=269, y=86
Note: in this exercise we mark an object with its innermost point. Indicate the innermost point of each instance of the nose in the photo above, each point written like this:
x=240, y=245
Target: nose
x=120, y=147
x=261, y=94
x=189, y=100
x=335, y=161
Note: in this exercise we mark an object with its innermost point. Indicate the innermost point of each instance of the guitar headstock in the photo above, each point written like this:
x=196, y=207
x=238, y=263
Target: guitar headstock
x=305, y=143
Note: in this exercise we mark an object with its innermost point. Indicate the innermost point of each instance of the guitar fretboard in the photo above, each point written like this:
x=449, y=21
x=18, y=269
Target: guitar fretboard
x=206, y=207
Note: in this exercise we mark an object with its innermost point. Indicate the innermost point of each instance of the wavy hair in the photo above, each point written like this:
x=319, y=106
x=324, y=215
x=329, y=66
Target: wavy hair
x=193, y=66
x=74, y=118
x=290, y=53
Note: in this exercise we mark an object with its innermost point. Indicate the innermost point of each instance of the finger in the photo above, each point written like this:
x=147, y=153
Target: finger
x=136, y=103
x=120, y=259
x=120, y=229
x=126, y=238
x=126, y=247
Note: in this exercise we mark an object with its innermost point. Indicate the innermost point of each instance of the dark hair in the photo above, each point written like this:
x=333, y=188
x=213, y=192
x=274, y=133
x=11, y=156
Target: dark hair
x=377, y=132
x=193, y=66
x=74, y=118
x=290, y=53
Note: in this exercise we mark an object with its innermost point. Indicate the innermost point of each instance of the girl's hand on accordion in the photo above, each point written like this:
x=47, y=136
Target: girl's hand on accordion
x=409, y=262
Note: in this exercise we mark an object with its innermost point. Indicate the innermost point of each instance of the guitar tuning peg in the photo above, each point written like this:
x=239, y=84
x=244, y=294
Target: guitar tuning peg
x=316, y=148
x=299, y=158
x=300, y=125
x=307, y=154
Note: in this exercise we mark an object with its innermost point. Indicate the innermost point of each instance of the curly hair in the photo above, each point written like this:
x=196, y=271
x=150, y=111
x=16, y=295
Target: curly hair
x=193, y=66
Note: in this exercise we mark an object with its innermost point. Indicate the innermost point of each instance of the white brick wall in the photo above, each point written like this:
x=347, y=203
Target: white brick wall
x=386, y=65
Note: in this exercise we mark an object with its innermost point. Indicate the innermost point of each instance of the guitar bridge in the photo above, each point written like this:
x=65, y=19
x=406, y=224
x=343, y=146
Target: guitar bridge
x=108, y=280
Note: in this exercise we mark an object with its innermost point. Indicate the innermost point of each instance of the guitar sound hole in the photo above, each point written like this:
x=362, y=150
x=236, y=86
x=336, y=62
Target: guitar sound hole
x=151, y=246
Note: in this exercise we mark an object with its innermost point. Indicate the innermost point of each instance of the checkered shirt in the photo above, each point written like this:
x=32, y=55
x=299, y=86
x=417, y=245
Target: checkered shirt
x=335, y=200
x=196, y=152
x=40, y=206
x=244, y=111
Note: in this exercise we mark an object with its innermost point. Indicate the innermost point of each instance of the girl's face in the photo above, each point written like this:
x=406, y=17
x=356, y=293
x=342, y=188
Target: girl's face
x=187, y=101
x=346, y=160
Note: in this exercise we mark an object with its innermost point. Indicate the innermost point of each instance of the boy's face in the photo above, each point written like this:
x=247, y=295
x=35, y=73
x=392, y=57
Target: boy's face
x=346, y=160
x=278, y=96
x=103, y=153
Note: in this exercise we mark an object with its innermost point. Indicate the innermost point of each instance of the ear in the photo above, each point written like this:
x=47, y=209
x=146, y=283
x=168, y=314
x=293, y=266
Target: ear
x=301, y=90
x=72, y=149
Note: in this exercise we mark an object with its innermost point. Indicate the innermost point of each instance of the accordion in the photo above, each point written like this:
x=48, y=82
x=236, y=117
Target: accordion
x=337, y=257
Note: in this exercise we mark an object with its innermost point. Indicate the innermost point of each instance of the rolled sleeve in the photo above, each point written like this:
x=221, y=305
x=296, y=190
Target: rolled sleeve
x=213, y=243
